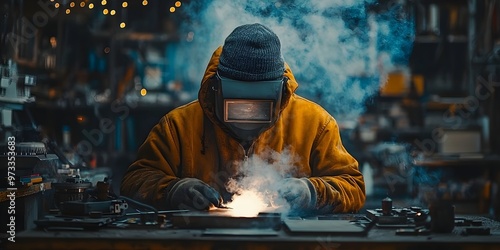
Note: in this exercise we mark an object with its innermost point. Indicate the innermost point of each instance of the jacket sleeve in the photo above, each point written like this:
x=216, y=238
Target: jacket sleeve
x=154, y=171
x=335, y=174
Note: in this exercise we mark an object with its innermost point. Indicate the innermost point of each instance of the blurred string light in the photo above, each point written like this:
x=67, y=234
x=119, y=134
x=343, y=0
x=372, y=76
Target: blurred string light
x=176, y=5
x=91, y=4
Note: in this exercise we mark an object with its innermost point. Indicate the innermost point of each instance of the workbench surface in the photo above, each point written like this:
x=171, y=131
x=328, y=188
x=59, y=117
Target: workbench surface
x=153, y=237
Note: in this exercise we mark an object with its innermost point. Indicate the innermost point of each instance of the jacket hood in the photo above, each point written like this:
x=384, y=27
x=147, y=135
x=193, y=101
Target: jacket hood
x=206, y=95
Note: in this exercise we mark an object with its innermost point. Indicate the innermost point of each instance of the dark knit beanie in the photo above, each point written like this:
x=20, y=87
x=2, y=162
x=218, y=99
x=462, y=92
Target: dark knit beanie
x=252, y=52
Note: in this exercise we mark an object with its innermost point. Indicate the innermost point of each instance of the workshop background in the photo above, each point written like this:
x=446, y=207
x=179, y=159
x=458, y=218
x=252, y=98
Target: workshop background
x=413, y=84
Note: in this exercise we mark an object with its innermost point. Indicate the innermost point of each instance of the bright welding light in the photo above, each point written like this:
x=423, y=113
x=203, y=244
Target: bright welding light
x=247, y=204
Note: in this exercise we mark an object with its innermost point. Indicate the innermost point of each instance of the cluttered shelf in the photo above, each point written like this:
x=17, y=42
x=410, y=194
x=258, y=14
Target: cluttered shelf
x=24, y=191
x=472, y=159
x=468, y=179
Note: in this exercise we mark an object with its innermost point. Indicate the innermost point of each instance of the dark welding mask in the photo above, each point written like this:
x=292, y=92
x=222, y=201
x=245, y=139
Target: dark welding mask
x=248, y=107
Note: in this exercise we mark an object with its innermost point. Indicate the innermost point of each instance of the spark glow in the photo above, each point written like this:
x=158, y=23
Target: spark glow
x=256, y=188
x=247, y=204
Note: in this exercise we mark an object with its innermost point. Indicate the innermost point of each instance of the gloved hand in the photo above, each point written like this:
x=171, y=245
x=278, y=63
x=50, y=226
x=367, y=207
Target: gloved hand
x=300, y=194
x=193, y=194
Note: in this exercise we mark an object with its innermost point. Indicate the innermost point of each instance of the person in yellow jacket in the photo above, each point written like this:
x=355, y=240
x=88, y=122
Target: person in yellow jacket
x=246, y=107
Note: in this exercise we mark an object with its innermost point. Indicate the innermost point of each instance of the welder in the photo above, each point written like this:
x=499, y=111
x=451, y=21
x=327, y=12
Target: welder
x=246, y=106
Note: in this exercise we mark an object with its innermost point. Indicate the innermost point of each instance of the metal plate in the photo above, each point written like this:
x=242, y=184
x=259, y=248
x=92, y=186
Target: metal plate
x=339, y=227
x=52, y=222
x=240, y=232
x=223, y=219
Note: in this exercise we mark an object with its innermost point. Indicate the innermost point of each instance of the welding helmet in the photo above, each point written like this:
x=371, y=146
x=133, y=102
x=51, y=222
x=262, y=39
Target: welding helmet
x=250, y=80
x=248, y=107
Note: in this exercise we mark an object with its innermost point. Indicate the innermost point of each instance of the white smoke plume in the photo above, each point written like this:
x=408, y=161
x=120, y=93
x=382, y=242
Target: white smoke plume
x=340, y=51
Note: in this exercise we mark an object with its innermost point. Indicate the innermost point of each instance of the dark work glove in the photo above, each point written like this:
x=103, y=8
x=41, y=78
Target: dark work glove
x=193, y=194
x=300, y=194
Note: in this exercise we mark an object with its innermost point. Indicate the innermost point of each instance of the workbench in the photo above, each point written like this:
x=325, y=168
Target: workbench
x=169, y=238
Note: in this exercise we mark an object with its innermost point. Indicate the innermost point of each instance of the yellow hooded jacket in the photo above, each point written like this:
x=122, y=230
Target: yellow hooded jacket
x=190, y=141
